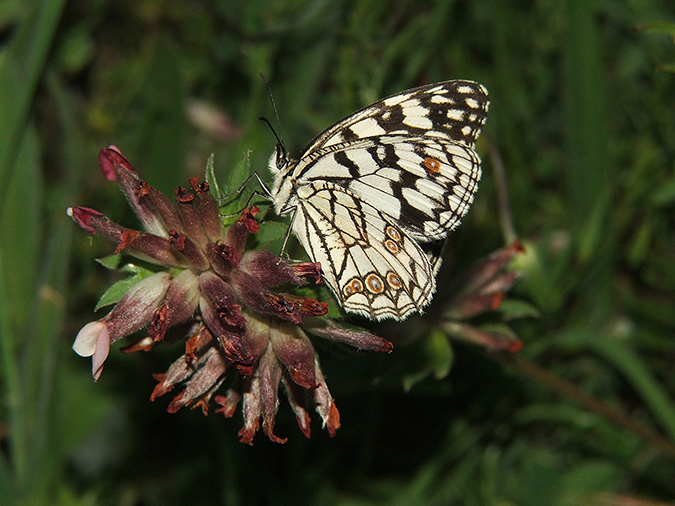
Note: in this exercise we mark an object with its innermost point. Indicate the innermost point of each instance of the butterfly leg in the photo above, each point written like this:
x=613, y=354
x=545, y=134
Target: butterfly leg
x=265, y=193
x=288, y=233
x=265, y=189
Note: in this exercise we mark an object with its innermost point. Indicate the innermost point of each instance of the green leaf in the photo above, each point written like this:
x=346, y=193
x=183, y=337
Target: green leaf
x=110, y=262
x=13, y=394
x=21, y=68
x=631, y=366
x=439, y=353
x=658, y=27
x=21, y=227
x=500, y=330
x=271, y=235
x=664, y=194
x=117, y=290
x=41, y=364
x=513, y=309
x=436, y=358
x=210, y=177
x=136, y=269
x=239, y=173
x=666, y=67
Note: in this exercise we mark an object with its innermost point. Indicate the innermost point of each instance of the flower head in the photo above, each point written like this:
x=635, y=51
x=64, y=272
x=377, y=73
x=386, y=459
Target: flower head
x=480, y=290
x=219, y=298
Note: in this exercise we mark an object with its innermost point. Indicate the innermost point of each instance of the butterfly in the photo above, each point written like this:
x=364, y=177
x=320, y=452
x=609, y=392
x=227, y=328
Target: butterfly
x=374, y=196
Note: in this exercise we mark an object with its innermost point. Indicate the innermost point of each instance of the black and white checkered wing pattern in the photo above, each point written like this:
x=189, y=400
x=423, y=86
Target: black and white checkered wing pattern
x=372, y=266
x=424, y=184
x=452, y=110
x=405, y=164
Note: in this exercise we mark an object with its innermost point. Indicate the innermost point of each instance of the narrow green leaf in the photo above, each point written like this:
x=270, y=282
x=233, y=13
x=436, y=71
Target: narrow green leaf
x=110, y=262
x=513, y=309
x=658, y=27
x=619, y=354
x=500, y=330
x=40, y=365
x=113, y=294
x=21, y=68
x=13, y=393
x=666, y=67
x=439, y=353
x=654, y=395
x=210, y=177
x=21, y=227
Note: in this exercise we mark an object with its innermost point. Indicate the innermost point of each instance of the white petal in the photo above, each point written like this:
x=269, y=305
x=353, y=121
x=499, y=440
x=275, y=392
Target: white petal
x=85, y=342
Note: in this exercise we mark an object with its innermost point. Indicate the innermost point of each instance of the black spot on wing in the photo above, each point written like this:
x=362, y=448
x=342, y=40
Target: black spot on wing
x=349, y=135
x=392, y=120
x=342, y=158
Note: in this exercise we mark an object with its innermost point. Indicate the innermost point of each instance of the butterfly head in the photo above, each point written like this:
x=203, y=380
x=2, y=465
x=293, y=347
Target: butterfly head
x=280, y=155
x=281, y=166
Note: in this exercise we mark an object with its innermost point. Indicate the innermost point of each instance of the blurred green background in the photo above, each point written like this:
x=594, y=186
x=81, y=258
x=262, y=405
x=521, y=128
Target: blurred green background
x=582, y=116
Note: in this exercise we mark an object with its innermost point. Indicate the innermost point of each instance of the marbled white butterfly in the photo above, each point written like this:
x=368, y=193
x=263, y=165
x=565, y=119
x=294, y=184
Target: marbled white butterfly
x=367, y=190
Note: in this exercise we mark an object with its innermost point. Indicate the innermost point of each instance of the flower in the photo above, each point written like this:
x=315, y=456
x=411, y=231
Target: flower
x=218, y=297
x=478, y=291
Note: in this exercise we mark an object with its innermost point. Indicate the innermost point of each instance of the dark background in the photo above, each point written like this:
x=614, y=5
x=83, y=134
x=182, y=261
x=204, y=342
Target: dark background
x=583, y=117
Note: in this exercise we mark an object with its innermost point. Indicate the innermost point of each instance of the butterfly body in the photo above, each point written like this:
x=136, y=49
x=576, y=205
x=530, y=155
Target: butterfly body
x=368, y=190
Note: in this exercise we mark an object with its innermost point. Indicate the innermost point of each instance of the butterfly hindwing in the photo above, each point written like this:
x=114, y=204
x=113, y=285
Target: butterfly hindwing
x=371, y=265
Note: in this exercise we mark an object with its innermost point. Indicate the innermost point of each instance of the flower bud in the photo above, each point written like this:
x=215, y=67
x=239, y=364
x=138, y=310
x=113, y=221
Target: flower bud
x=136, y=309
x=295, y=351
x=180, y=303
x=207, y=208
x=116, y=167
x=269, y=269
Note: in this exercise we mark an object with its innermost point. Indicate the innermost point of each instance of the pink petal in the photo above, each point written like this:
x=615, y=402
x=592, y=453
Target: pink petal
x=101, y=354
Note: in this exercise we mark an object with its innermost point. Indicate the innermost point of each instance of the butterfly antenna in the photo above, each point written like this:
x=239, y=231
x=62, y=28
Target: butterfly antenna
x=282, y=158
x=279, y=136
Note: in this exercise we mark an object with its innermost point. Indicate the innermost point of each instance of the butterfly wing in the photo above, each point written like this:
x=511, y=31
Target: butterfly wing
x=450, y=110
x=365, y=190
x=371, y=265
x=425, y=185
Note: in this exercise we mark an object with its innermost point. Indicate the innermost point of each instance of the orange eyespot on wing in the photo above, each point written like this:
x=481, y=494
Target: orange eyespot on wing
x=354, y=286
x=394, y=281
x=432, y=165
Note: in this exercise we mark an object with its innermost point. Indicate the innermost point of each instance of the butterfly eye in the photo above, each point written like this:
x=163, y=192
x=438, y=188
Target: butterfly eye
x=282, y=158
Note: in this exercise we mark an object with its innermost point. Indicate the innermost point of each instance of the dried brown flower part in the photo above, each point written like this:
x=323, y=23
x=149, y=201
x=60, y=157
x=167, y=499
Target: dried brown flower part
x=480, y=290
x=219, y=299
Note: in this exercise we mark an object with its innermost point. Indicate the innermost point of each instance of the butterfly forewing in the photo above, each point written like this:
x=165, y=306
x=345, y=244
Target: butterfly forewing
x=424, y=183
x=369, y=188
x=454, y=110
